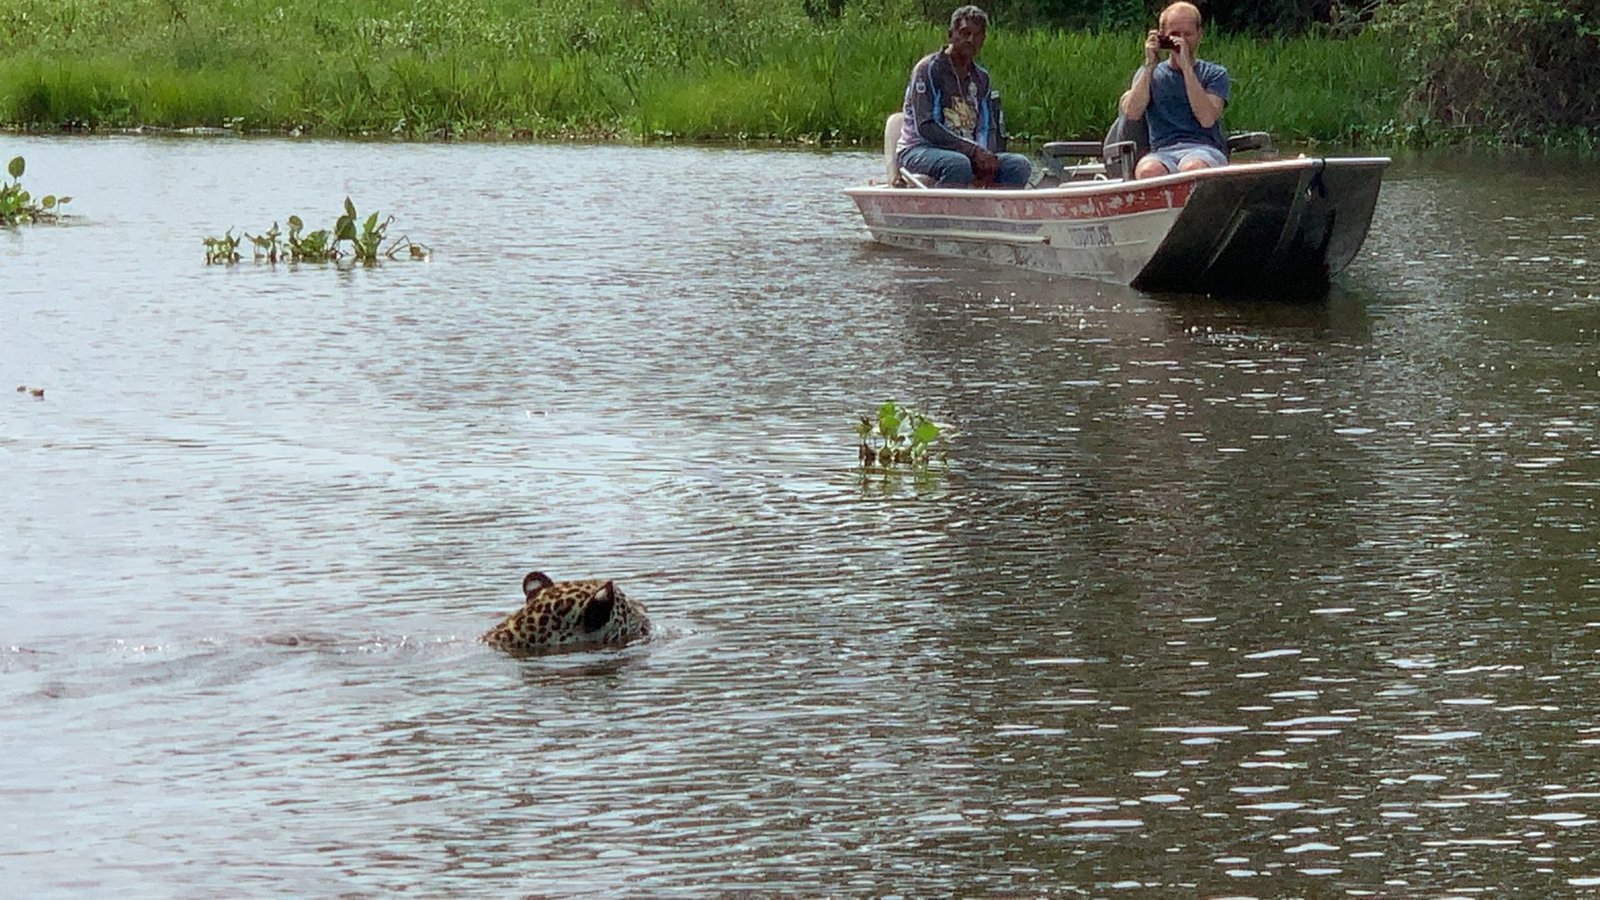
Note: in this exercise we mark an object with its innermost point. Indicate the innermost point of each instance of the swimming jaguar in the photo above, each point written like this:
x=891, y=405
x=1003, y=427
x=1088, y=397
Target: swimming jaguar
x=569, y=615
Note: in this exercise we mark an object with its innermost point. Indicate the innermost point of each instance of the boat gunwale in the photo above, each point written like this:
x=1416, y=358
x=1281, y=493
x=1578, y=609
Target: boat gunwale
x=1076, y=189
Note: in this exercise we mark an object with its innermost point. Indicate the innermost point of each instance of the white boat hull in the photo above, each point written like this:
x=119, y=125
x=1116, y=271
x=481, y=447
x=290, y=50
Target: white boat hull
x=1249, y=225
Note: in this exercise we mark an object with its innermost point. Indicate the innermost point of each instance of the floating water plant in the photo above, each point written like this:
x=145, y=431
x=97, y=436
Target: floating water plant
x=900, y=436
x=17, y=206
x=363, y=242
x=223, y=249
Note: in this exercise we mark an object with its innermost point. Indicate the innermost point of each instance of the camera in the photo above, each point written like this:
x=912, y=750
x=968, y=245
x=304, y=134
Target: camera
x=1165, y=42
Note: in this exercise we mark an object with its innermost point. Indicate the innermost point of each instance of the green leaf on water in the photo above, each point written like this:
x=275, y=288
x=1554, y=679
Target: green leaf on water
x=889, y=420
x=904, y=435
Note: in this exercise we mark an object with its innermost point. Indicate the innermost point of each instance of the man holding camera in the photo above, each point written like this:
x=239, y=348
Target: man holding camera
x=1181, y=99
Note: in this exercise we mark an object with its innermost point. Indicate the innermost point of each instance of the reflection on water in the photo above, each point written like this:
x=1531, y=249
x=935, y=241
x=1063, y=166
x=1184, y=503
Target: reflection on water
x=1212, y=597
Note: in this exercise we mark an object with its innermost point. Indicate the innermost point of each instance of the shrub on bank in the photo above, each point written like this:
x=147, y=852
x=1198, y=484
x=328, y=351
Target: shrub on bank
x=1515, y=69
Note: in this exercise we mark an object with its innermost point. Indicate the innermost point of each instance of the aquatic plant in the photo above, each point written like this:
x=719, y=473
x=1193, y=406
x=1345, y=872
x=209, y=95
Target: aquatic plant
x=17, y=206
x=345, y=240
x=899, y=436
x=223, y=249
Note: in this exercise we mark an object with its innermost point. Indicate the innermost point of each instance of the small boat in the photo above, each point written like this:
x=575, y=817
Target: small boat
x=1279, y=226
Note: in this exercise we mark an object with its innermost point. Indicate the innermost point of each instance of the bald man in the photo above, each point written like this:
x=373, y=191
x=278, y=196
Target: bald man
x=1180, y=99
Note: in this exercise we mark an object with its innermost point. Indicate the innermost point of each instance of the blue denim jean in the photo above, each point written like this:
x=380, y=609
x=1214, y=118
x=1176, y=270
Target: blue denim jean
x=949, y=168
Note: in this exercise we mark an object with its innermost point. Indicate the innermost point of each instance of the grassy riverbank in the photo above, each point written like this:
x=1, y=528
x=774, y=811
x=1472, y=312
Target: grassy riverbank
x=679, y=69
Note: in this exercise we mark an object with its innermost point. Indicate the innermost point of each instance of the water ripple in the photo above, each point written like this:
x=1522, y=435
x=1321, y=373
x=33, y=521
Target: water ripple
x=1293, y=593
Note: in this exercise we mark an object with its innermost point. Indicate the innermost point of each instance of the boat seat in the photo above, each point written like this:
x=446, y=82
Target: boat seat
x=891, y=142
x=895, y=176
x=1244, y=141
x=1126, y=141
x=1056, y=153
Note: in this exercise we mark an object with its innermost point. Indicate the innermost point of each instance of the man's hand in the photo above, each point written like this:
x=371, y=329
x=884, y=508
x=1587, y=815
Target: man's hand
x=1183, y=56
x=1152, y=44
x=985, y=167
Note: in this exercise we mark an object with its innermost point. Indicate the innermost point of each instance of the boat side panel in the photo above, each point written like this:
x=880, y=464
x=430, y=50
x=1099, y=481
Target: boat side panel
x=1352, y=192
x=1280, y=231
x=1105, y=234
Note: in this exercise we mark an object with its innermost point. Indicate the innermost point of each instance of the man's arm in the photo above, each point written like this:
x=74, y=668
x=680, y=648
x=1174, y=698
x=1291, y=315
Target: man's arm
x=984, y=163
x=1206, y=106
x=991, y=121
x=1137, y=97
x=936, y=134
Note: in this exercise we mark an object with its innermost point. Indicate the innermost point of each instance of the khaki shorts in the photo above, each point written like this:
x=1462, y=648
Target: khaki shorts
x=1173, y=156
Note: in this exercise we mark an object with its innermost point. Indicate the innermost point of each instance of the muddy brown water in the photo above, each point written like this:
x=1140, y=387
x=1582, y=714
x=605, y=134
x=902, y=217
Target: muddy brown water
x=1211, y=598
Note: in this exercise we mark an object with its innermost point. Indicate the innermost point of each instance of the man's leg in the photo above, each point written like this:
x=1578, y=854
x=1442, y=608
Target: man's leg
x=946, y=167
x=1157, y=162
x=1179, y=158
x=1201, y=158
x=1015, y=170
x=1150, y=165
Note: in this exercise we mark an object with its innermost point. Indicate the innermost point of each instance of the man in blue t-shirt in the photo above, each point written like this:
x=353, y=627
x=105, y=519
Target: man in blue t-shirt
x=953, y=128
x=1181, y=99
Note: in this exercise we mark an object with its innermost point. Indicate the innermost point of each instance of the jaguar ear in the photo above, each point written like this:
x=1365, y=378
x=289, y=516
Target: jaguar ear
x=534, y=583
x=598, y=612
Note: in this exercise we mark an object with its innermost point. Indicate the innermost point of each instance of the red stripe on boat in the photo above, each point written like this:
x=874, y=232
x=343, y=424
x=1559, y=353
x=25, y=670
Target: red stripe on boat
x=1092, y=206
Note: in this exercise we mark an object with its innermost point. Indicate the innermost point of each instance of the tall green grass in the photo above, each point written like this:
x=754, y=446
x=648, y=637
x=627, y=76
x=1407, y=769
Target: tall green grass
x=646, y=69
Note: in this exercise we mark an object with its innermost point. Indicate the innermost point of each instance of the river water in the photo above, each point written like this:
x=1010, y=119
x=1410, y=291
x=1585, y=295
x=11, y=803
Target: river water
x=1210, y=598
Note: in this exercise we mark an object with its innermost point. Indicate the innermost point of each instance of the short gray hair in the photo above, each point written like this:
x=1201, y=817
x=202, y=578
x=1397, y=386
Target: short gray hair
x=964, y=13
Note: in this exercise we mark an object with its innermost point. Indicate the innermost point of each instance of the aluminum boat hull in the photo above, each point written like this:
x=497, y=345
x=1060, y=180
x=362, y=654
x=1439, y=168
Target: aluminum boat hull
x=1280, y=226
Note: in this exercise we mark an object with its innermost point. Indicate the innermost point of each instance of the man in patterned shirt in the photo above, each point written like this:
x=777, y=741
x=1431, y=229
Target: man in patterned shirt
x=953, y=130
